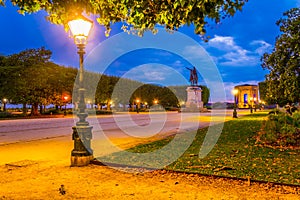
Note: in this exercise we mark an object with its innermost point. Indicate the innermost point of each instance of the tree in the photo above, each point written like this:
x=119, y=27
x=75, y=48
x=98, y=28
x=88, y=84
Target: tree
x=283, y=81
x=23, y=83
x=105, y=89
x=139, y=15
x=29, y=77
x=263, y=91
x=205, y=94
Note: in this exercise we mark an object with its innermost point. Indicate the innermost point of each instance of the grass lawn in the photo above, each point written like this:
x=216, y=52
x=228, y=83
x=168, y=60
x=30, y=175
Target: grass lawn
x=234, y=155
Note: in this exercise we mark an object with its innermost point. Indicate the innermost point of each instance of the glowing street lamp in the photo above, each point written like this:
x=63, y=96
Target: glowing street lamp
x=82, y=153
x=234, y=92
x=255, y=99
x=137, y=105
x=109, y=106
x=80, y=29
x=251, y=104
x=66, y=100
x=4, y=104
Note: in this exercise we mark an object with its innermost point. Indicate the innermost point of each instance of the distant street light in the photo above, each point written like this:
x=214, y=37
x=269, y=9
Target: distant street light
x=82, y=153
x=251, y=104
x=66, y=101
x=255, y=99
x=4, y=104
x=137, y=105
x=234, y=92
x=110, y=105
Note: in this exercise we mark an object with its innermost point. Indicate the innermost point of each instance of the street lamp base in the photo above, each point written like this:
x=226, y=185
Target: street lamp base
x=82, y=153
x=79, y=161
x=234, y=114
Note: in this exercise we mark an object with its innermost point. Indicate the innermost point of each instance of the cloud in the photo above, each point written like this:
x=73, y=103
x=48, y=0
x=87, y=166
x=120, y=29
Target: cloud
x=226, y=52
x=262, y=46
x=178, y=64
x=149, y=73
x=155, y=73
x=240, y=57
x=223, y=43
x=194, y=52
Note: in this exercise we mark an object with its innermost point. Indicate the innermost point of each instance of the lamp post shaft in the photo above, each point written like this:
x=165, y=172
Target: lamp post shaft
x=234, y=114
x=82, y=153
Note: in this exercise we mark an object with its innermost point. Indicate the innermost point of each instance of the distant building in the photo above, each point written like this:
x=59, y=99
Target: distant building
x=247, y=95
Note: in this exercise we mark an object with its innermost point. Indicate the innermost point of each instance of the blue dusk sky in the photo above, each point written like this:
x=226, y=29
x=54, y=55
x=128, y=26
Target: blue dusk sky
x=232, y=54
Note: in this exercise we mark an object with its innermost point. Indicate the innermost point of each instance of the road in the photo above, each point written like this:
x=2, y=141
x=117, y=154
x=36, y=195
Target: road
x=51, y=138
x=115, y=126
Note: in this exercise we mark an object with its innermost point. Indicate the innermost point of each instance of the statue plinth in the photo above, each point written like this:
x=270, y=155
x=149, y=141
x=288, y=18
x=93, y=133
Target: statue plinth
x=194, y=101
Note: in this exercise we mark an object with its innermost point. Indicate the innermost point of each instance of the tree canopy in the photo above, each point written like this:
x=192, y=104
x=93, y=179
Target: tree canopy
x=29, y=77
x=137, y=15
x=283, y=81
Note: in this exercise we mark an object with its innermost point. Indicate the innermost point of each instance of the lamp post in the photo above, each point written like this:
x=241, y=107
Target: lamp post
x=66, y=100
x=82, y=153
x=137, y=105
x=4, y=104
x=254, y=104
x=251, y=104
x=234, y=114
x=110, y=105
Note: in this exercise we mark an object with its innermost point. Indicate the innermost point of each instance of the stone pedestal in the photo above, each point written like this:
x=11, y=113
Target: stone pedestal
x=194, y=101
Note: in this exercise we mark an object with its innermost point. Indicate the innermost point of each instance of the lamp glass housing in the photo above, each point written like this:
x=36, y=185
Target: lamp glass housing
x=235, y=91
x=80, y=29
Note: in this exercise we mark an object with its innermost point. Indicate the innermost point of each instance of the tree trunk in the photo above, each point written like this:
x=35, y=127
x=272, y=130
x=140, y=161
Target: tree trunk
x=108, y=105
x=34, y=109
x=41, y=108
x=24, y=109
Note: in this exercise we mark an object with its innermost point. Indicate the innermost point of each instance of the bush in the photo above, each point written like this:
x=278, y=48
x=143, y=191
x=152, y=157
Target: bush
x=296, y=117
x=5, y=115
x=103, y=112
x=172, y=109
x=281, y=130
x=53, y=112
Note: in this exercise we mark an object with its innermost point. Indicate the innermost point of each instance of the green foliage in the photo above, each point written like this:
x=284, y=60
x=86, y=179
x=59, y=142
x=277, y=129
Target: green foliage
x=205, y=94
x=118, y=90
x=29, y=77
x=103, y=112
x=137, y=15
x=5, y=115
x=281, y=130
x=263, y=91
x=283, y=82
x=53, y=111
